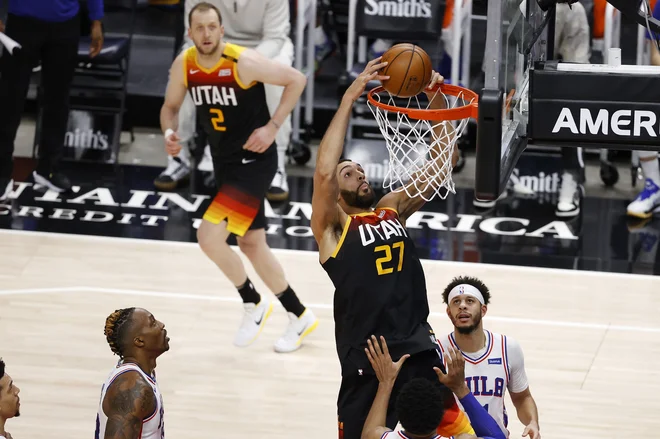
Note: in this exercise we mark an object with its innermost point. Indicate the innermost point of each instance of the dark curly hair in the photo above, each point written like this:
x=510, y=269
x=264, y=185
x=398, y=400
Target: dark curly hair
x=420, y=406
x=2, y=369
x=468, y=280
x=116, y=326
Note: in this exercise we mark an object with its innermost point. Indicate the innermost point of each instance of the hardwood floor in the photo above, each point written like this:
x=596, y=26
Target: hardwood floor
x=590, y=341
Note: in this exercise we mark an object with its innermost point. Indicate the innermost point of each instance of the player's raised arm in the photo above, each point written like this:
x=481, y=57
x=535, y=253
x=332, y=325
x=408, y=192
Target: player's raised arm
x=169, y=112
x=128, y=402
x=438, y=155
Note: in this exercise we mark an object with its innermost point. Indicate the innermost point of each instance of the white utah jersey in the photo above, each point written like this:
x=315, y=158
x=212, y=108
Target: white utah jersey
x=152, y=426
x=491, y=371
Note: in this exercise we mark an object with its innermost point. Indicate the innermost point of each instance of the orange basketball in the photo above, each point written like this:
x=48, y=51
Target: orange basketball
x=409, y=68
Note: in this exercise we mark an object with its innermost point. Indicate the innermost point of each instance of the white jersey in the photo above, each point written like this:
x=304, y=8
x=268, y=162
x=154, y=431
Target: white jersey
x=152, y=426
x=498, y=366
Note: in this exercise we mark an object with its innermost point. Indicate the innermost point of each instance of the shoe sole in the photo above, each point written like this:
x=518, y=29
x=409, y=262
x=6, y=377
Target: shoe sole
x=43, y=181
x=568, y=214
x=277, y=197
x=305, y=333
x=261, y=327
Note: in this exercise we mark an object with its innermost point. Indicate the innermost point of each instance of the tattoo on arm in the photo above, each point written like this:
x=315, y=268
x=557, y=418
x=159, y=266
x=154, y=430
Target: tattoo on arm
x=127, y=403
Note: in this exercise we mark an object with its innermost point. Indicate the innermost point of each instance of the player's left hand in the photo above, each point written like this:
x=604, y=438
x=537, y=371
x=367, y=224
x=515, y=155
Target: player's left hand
x=455, y=376
x=532, y=430
x=261, y=138
x=380, y=359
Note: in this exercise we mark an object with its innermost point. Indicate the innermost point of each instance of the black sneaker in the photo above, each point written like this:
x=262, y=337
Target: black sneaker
x=6, y=185
x=55, y=181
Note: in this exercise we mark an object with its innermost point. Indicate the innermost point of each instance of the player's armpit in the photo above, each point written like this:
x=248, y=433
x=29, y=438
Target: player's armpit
x=375, y=433
x=126, y=404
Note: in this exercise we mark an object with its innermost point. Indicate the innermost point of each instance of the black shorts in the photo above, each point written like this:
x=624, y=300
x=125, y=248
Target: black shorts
x=357, y=392
x=242, y=188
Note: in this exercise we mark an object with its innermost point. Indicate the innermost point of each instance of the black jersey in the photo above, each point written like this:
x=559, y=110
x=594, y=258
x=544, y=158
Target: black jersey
x=228, y=110
x=380, y=289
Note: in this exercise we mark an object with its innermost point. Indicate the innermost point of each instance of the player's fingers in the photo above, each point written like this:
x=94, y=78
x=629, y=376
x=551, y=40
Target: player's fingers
x=372, y=349
x=377, y=347
x=402, y=360
x=439, y=373
x=383, y=345
x=373, y=61
x=369, y=356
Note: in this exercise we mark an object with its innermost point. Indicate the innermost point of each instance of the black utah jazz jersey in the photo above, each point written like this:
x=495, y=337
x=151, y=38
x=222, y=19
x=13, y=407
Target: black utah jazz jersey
x=380, y=289
x=228, y=110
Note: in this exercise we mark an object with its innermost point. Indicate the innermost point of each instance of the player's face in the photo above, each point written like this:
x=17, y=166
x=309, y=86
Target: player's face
x=206, y=31
x=10, y=403
x=354, y=188
x=465, y=313
x=151, y=332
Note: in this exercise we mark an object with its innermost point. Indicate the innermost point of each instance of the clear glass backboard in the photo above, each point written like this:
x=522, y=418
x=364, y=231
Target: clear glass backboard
x=514, y=41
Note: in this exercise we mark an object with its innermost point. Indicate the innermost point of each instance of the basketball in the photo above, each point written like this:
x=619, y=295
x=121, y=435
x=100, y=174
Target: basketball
x=409, y=68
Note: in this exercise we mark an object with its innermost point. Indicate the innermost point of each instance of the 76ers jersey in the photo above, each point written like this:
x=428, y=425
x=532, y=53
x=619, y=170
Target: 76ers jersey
x=152, y=427
x=379, y=289
x=228, y=110
x=491, y=371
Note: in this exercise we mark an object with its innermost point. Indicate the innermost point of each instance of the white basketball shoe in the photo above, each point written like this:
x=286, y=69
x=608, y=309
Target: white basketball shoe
x=299, y=328
x=647, y=202
x=253, y=322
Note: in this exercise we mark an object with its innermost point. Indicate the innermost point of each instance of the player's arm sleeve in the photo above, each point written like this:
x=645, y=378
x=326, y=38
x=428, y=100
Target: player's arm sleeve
x=276, y=27
x=483, y=424
x=95, y=9
x=516, y=364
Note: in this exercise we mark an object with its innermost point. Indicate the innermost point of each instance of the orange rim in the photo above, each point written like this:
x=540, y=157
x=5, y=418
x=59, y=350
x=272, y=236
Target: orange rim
x=463, y=112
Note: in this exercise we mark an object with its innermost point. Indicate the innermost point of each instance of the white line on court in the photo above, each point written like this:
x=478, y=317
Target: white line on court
x=459, y=265
x=169, y=295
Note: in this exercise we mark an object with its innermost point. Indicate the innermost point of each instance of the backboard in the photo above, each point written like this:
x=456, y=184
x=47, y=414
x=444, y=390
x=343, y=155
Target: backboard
x=511, y=49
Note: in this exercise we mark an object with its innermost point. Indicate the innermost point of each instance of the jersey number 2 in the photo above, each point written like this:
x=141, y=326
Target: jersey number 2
x=218, y=119
x=388, y=258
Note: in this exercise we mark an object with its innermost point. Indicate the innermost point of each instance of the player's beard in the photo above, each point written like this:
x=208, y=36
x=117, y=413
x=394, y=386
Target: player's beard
x=205, y=51
x=358, y=200
x=466, y=330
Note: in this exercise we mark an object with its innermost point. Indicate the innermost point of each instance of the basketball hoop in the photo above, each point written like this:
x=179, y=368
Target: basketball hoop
x=419, y=159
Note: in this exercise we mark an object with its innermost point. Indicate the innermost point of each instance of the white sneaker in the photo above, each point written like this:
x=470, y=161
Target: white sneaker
x=279, y=188
x=253, y=322
x=206, y=163
x=175, y=173
x=299, y=328
x=569, y=196
x=647, y=202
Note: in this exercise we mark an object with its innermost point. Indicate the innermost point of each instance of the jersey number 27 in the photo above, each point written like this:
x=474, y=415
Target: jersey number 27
x=387, y=258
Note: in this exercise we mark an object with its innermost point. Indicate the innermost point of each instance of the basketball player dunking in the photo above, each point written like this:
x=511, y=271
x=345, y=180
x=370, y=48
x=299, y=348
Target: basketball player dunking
x=378, y=277
x=131, y=404
x=493, y=362
x=226, y=83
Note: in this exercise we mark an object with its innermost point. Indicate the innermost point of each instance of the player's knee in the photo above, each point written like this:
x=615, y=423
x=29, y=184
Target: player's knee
x=251, y=243
x=208, y=236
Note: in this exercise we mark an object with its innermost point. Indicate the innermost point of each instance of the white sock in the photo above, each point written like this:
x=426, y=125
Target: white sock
x=651, y=169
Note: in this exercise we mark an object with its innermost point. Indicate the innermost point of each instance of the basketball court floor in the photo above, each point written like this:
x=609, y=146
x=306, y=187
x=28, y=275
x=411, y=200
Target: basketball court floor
x=590, y=340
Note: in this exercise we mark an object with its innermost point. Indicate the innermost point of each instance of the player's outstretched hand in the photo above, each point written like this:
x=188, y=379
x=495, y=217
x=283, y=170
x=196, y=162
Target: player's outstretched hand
x=532, y=430
x=455, y=376
x=436, y=98
x=172, y=145
x=261, y=138
x=371, y=72
x=380, y=359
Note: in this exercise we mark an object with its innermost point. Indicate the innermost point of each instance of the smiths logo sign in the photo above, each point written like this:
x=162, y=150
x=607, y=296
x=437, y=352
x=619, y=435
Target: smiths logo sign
x=407, y=8
x=410, y=19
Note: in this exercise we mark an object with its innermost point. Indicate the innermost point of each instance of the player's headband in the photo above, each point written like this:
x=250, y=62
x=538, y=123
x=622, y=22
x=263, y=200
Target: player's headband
x=466, y=290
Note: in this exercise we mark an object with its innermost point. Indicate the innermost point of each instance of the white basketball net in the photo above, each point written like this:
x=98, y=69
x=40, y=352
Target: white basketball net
x=419, y=158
